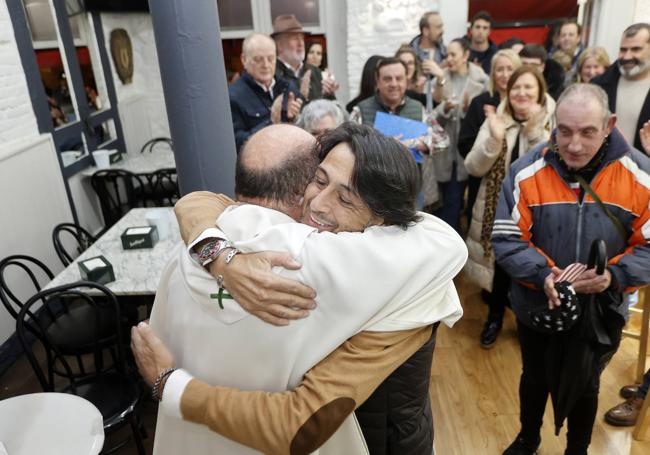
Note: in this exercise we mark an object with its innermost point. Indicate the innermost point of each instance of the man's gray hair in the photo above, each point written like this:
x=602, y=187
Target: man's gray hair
x=581, y=92
x=248, y=41
x=318, y=109
x=633, y=29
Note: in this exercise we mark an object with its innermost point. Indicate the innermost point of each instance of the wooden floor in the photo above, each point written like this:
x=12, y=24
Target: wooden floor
x=473, y=391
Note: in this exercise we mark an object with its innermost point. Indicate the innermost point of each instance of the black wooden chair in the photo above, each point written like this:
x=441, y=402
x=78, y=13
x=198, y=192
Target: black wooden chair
x=151, y=143
x=162, y=189
x=111, y=390
x=24, y=272
x=71, y=331
x=118, y=191
x=64, y=235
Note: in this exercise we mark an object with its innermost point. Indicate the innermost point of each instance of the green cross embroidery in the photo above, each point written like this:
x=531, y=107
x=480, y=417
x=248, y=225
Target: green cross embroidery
x=220, y=296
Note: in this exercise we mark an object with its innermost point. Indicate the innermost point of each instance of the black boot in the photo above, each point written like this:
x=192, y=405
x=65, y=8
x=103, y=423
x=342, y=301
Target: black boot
x=491, y=329
x=522, y=447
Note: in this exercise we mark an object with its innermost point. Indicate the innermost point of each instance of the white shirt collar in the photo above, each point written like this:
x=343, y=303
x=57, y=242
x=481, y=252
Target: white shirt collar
x=268, y=90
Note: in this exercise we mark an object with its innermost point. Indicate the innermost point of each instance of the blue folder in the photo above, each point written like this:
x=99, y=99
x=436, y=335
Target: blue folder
x=394, y=126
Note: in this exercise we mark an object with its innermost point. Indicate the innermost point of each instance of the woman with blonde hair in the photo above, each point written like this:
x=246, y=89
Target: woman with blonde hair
x=523, y=119
x=504, y=63
x=592, y=62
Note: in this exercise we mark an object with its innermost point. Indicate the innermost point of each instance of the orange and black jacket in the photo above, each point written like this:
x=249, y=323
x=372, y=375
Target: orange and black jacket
x=541, y=221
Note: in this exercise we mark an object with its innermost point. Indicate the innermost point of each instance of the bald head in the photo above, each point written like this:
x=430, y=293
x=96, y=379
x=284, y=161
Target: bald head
x=275, y=166
x=275, y=144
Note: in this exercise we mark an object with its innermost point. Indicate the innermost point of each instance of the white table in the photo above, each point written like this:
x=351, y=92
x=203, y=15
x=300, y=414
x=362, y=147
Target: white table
x=137, y=272
x=141, y=163
x=50, y=424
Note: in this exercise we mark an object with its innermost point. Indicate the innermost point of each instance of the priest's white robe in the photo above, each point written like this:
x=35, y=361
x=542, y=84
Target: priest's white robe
x=384, y=279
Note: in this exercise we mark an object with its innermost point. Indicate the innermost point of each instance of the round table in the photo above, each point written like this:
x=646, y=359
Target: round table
x=50, y=423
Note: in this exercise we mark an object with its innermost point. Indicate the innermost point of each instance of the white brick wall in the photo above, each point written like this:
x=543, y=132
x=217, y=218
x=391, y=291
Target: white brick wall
x=17, y=119
x=146, y=72
x=642, y=13
x=381, y=26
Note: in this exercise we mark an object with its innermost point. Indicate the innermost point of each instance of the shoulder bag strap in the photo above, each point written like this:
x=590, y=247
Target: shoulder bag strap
x=585, y=186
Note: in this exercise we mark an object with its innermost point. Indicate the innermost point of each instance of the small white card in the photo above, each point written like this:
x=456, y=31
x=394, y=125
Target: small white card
x=91, y=264
x=138, y=230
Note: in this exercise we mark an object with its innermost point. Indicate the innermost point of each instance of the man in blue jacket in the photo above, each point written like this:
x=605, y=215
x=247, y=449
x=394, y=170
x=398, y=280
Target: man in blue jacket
x=546, y=220
x=259, y=97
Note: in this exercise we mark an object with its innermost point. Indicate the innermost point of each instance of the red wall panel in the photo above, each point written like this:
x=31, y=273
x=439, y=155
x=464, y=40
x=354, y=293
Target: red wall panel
x=524, y=10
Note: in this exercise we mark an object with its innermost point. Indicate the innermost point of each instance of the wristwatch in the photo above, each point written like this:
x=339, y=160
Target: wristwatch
x=441, y=81
x=211, y=251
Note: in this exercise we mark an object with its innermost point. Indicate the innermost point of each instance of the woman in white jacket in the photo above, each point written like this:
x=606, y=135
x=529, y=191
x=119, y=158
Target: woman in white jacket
x=522, y=120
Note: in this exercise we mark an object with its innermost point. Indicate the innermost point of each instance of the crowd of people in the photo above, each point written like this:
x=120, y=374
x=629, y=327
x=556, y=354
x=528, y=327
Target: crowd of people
x=531, y=153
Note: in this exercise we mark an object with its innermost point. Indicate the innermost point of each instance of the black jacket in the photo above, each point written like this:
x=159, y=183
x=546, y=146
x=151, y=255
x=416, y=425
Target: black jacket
x=483, y=58
x=396, y=419
x=315, y=83
x=609, y=82
x=554, y=77
x=250, y=105
x=474, y=118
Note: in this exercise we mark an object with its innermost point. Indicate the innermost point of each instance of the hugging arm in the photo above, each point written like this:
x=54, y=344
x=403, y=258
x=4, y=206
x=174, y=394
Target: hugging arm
x=251, y=282
x=297, y=421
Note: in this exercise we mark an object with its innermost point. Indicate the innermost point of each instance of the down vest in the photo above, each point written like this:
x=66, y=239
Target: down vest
x=478, y=163
x=396, y=419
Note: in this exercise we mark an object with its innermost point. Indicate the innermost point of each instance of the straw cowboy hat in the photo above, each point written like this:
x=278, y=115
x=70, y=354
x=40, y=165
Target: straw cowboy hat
x=287, y=23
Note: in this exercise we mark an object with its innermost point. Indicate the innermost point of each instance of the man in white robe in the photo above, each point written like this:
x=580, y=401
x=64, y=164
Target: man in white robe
x=359, y=289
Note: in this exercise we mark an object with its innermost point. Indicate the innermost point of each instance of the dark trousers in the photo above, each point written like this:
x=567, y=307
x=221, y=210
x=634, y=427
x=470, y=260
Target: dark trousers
x=497, y=300
x=643, y=389
x=534, y=391
x=473, y=184
x=452, y=194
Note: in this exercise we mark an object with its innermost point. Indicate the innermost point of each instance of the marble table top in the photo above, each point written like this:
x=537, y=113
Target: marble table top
x=137, y=272
x=141, y=163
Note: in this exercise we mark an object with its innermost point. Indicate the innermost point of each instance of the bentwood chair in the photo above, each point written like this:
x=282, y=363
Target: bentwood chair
x=118, y=191
x=151, y=143
x=70, y=240
x=111, y=390
x=162, y=189
x=71, y=331
x=22, y=272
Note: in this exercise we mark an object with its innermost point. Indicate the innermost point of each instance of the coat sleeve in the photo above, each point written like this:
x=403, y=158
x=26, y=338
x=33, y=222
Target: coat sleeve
x=484, y=153
x=198, y=211
x=301, y=420
x=511, y=237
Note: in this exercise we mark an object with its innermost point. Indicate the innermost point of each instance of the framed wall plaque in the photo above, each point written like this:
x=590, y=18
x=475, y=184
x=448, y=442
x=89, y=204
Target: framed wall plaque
x=122, y=53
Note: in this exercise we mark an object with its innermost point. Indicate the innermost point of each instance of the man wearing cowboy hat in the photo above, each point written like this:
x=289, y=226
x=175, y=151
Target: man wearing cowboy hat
x=289, y=37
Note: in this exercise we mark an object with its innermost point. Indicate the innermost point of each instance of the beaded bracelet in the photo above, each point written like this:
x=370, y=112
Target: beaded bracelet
x=155, y=390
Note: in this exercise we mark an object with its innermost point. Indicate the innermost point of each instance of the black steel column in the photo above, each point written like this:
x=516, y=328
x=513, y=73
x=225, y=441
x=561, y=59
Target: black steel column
x=190, y=56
